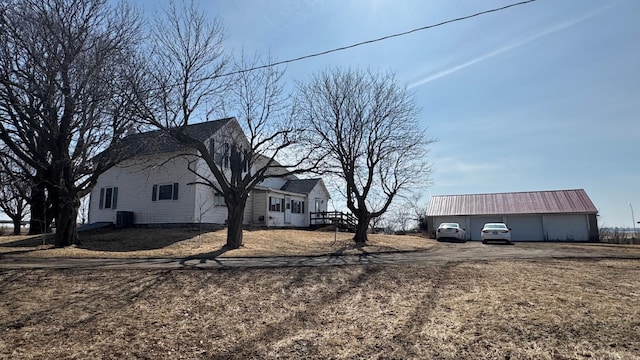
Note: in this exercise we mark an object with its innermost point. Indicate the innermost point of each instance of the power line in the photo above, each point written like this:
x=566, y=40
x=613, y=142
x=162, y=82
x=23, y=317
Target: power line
x=376, y=40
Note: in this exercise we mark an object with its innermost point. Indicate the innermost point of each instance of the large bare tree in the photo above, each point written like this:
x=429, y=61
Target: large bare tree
x=373, y=141
x=189, y=79
x=65, y=71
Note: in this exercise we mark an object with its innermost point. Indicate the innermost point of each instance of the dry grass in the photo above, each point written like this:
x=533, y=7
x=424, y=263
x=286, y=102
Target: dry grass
x=551, y=309
x=158, y=243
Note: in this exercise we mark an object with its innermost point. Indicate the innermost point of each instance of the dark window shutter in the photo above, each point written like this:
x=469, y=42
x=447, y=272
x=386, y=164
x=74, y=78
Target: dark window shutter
x=115, y=197
x=212, y=148
x=245, y=161
x=101, y=203
x=282, y=205
x=175, y=191
x=154, y=193
x=302, y=207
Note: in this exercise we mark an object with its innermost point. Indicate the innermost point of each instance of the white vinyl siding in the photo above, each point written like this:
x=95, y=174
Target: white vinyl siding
x=135, y=180
x=276, y=202
x=317, y=193
x=259, y=203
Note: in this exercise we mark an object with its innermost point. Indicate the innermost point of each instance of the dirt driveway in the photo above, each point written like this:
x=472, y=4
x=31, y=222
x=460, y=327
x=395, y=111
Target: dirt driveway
x=442, y=253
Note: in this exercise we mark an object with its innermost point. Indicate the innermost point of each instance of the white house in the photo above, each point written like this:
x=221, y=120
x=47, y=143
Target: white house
x=159, y=184
x=557, y=215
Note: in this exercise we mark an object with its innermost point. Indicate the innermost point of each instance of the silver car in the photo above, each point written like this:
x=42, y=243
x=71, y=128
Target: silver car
x=451, y=231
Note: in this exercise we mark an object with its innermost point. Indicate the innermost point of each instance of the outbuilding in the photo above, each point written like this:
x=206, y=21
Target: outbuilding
x=558, y=215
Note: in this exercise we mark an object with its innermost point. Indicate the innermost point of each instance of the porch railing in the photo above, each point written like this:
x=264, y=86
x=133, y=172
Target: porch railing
x=344, y=221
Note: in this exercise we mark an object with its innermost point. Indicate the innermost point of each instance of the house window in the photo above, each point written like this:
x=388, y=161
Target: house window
x=164, y=192
x=297, y=207
x=276, y=204
x=218, y=199
x=108, y=198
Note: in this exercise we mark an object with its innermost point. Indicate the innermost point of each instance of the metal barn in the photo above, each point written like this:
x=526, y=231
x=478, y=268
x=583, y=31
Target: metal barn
x=558, y=215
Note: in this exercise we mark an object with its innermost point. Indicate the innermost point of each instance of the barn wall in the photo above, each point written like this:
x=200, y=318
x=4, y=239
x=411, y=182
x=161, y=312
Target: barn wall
x=528, y=227
x=525, y=227
x=477, y=223
x=566, y=227
x=435, y=221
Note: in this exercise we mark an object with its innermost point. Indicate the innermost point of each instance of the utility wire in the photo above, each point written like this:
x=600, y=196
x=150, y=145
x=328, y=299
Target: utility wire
x=375, y=40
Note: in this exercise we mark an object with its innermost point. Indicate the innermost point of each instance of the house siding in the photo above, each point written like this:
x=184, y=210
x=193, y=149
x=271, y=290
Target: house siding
x=205, y=209
x=277, y=218
x=259, y=204
x=195, y=203
x=318, y=192
x=135, y=180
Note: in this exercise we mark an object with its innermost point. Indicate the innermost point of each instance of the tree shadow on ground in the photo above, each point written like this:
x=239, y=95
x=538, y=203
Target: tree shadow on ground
x=353, y=246
x=136, y=239
x=210, y=255
x=452, y=240
x=213, y=255
x=30, y=242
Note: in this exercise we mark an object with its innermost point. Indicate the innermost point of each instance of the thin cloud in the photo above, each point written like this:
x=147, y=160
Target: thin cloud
x=502, y=50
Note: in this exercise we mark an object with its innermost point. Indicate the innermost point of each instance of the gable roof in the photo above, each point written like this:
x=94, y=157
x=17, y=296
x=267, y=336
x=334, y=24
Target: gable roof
x=533, y=202
x=300, y=186
x=158, y=141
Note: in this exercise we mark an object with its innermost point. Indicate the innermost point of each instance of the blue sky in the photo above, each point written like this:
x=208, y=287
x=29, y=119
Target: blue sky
x=543, y=96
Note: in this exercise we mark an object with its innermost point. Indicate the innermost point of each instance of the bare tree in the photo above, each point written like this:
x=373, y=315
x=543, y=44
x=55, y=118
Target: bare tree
x=188, y=81
x=402, y=216
x=372, y=139
x=417, y=208
x=15, y=186
x=65, y=70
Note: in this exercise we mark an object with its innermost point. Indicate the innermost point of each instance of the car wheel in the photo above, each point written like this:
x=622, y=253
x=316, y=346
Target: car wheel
x=484, y=242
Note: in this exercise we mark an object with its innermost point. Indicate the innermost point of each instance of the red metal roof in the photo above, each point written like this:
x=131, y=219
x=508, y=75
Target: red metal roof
x=533, y=202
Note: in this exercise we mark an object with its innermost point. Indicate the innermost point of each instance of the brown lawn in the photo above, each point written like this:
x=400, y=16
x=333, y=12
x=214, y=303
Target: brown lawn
x=507, y=309
x=157, y=243
x=551, y=309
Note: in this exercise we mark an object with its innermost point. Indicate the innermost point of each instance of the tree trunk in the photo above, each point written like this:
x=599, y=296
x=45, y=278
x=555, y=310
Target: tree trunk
x=38, y=204
x=66, y=227
x=361, y=230
x=17, y=225
x=235, y=218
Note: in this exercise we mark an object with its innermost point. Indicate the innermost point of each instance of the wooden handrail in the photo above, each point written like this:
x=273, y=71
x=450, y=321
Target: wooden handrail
x=341, y=219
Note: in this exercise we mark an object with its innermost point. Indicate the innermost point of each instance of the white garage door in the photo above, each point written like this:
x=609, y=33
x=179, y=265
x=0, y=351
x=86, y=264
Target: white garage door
x=566, y=227
x=525, y=227
x=477, y=222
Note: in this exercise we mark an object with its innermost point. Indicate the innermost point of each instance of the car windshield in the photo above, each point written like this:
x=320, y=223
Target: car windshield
x=495, y=226
x=449, y=225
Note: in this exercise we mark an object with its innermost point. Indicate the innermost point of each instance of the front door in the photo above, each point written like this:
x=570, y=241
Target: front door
x=287, y=210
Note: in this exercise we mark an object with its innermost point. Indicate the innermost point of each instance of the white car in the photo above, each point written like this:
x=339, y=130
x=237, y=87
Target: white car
x=451, y=231
x=495, y=231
